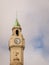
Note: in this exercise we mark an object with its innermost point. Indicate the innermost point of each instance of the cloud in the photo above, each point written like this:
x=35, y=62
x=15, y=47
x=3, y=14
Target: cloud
x=38, y=42
x=4, y=47
x=33, y=15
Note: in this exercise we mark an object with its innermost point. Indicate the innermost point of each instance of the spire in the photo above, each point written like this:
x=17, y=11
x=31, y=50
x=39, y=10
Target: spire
x=16, y=23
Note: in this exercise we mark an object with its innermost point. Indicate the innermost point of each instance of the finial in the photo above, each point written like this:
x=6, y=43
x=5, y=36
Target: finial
x=16, y=22
x=16, y=15
x=17, y=25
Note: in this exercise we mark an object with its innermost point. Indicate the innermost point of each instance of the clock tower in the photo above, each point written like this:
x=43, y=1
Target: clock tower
x=16, y=45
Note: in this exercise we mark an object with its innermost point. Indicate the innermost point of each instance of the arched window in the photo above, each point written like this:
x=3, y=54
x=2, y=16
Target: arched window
x=17, y=32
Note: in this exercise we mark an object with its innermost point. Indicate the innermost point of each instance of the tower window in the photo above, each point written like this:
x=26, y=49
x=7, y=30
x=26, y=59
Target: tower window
x=17, y=53
x=17, y=59
x=17, y=32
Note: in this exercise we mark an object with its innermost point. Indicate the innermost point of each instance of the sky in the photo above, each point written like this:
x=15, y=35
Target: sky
x=33, y=16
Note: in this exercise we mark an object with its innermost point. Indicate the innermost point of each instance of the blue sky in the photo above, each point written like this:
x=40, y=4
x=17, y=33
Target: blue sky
x=33, y=15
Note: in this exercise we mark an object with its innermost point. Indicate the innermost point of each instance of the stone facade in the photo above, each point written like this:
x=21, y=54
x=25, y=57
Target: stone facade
x=16, y=46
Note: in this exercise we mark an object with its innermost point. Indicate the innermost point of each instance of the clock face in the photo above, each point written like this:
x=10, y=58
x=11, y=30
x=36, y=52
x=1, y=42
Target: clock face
x=17, y=40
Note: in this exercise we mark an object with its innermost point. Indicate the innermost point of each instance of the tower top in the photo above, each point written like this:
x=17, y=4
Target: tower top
x=16, y=23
